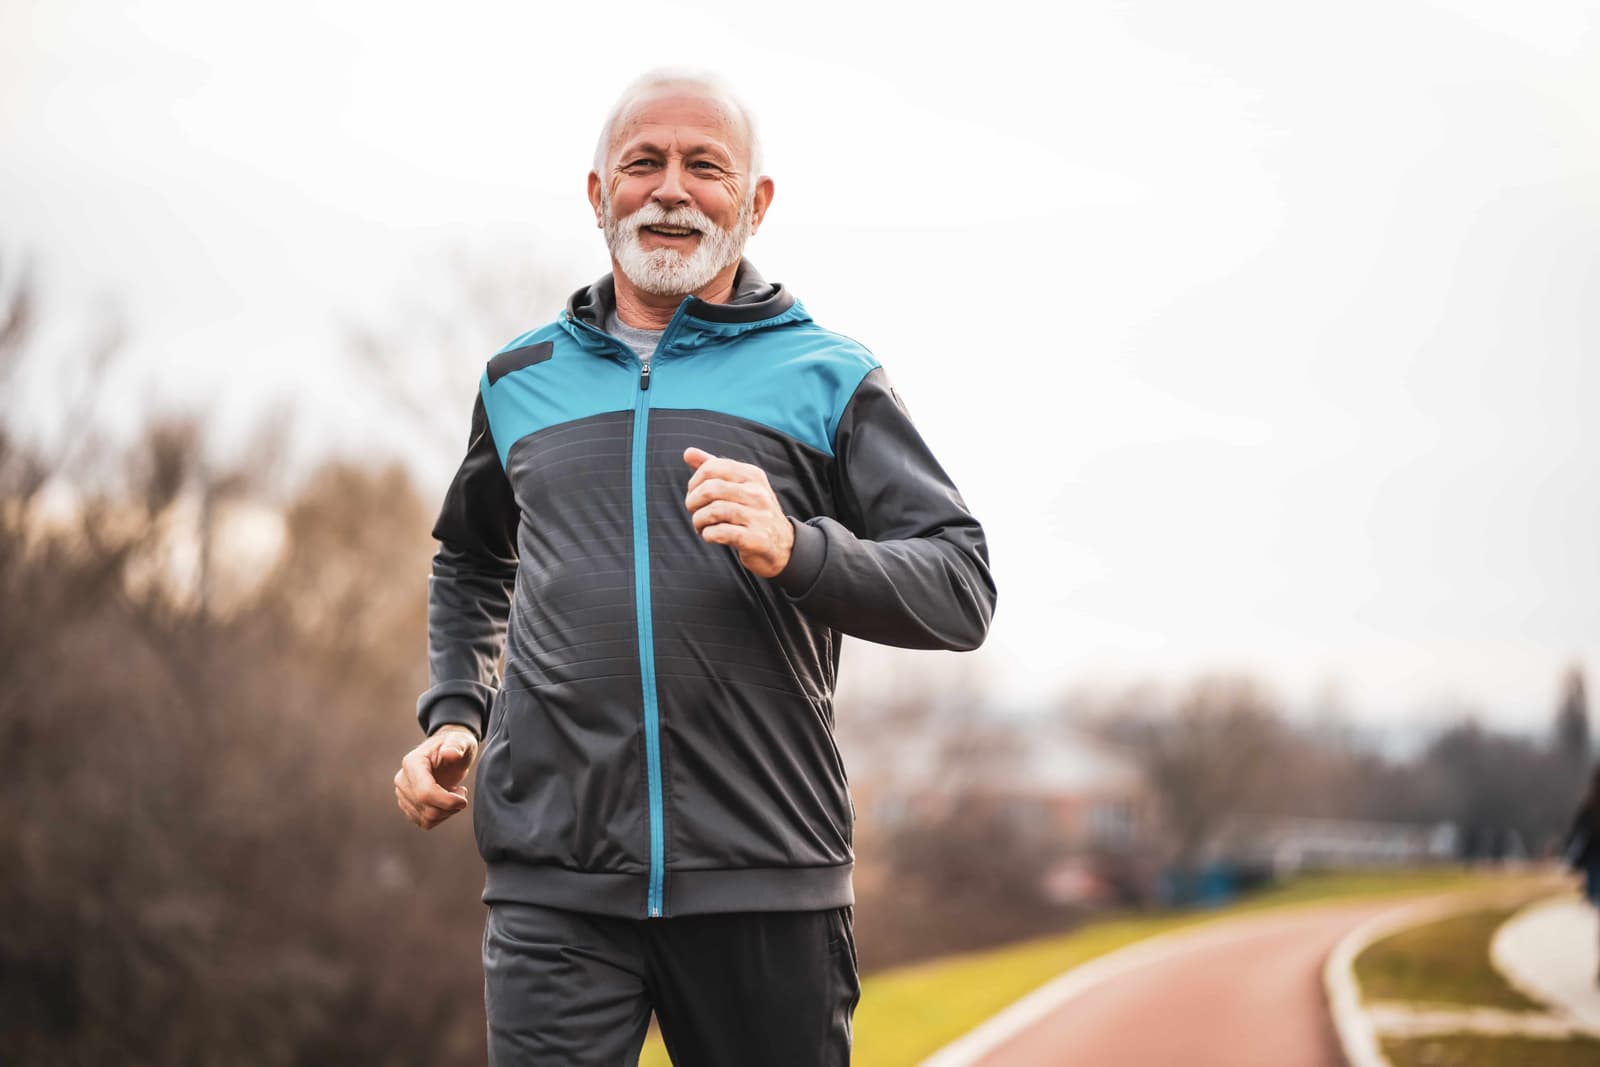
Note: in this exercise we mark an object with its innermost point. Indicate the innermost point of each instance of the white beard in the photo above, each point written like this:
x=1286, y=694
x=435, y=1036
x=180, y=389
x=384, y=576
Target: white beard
x=666, y=271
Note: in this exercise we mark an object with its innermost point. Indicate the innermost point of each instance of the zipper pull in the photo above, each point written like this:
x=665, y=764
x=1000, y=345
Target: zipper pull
x=644, y=376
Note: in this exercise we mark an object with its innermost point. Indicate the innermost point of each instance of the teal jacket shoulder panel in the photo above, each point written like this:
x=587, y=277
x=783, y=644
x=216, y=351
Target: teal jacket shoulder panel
x=544, y=378
x=788, y=374
x=760, y=358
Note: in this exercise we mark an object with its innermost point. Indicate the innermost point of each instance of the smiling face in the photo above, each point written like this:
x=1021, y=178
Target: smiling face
x=675, y=196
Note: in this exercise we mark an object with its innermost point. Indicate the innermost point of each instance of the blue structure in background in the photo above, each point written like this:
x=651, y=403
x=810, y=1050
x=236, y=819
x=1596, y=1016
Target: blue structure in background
x=1209, y=886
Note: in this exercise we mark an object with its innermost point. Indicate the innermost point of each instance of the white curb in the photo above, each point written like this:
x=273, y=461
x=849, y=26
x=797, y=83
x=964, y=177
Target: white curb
x=1358, y=1036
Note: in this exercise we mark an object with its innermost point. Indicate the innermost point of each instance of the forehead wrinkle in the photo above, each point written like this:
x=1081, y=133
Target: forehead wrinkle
x=726, y=129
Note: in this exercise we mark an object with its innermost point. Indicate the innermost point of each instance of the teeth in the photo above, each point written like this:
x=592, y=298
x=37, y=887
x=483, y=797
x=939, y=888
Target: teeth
x=673, y=231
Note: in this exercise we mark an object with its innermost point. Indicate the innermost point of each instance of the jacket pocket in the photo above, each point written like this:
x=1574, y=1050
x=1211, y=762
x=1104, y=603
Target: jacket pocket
x=573, y=792
x=753, y=779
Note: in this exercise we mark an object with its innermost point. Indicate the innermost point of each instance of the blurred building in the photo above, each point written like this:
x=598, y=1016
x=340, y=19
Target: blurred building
x=1286, y=846
x=1075, y=799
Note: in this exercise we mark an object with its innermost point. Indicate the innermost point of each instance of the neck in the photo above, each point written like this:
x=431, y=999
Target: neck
x=651, y=311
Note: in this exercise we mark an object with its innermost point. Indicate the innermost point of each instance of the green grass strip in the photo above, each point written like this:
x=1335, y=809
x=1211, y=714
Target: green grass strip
x=1445, y=962
x=1462, y=1051
x=909, y=1012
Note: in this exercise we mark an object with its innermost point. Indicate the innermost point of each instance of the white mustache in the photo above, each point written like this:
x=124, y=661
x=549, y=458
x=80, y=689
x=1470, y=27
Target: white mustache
x=656, y=215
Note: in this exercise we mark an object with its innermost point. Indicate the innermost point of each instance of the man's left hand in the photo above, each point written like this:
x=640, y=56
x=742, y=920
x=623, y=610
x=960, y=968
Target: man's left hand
x=733, y=504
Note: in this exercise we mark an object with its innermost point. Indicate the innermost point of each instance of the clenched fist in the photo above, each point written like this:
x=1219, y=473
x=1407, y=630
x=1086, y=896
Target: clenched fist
x=428, y=785
x=733, y=504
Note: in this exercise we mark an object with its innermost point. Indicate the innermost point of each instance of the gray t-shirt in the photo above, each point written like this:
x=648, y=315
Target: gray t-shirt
x=643, y=342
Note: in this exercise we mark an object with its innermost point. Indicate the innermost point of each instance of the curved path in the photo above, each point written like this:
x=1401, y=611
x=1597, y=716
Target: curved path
x=1548, y=950
x=1241, y=992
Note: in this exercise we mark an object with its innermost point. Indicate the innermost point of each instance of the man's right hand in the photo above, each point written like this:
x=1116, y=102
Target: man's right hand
x=428, y=785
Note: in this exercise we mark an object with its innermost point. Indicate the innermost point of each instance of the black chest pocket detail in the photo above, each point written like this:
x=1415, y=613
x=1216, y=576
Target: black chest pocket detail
x=519, y=359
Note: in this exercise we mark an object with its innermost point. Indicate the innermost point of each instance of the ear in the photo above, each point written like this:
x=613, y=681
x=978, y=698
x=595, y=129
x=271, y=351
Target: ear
x=594, y=199
x=763, y=199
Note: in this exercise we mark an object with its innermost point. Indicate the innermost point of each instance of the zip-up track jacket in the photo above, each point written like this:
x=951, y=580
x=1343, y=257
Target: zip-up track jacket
x=662, y=740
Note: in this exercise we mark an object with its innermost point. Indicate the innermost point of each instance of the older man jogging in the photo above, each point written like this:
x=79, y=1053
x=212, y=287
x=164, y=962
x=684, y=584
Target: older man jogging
x=676, y=499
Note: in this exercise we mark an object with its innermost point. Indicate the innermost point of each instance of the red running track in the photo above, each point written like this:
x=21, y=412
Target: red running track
x=1239, y=993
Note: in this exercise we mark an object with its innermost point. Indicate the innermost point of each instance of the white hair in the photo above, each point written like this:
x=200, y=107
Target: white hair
x=708, y=85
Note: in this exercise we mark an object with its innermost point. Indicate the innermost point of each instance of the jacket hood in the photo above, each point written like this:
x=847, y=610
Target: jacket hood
x=756, y=302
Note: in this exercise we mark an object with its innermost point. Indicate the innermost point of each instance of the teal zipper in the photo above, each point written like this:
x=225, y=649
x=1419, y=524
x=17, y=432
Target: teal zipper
x=641, y=592
x=647, y=645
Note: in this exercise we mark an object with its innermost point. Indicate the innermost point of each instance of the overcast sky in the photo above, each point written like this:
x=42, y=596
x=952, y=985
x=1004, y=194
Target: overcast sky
x=1261, y=336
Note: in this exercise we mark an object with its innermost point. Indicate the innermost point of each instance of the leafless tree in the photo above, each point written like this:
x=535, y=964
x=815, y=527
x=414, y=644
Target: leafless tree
x=1571, y=734
x=1208, y=755
x=202, y=836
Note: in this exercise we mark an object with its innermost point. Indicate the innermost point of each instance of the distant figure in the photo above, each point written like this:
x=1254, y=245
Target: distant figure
x=1582, y=848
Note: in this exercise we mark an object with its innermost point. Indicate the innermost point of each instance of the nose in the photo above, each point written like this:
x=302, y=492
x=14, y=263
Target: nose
x=671, y=192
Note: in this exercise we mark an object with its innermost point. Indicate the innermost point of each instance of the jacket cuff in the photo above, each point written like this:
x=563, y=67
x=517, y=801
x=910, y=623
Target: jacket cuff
x=806, y=558
x=452, y=708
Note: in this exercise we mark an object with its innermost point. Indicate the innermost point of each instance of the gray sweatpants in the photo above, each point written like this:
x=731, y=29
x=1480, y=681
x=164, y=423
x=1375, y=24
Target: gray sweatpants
x=734, y=989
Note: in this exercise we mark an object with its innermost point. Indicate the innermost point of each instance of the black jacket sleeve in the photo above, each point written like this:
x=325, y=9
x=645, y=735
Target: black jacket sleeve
x=906, y=563
x=469, y=591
